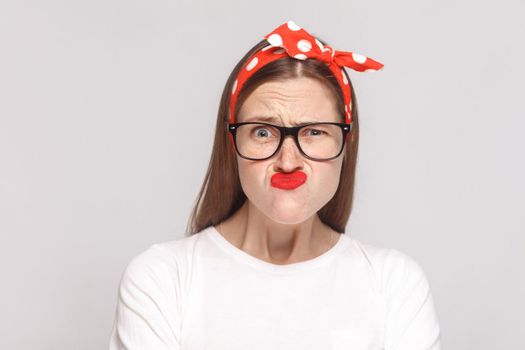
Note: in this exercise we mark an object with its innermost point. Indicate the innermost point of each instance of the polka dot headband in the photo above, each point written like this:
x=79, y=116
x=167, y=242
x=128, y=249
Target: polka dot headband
x=291, y=40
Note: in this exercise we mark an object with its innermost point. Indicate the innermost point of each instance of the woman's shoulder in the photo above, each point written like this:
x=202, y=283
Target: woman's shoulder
x=393, y=266
x=379, y=255
x=165, y=257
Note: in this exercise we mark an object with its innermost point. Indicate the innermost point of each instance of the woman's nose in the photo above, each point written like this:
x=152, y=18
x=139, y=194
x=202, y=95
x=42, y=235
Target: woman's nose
x=289, y=157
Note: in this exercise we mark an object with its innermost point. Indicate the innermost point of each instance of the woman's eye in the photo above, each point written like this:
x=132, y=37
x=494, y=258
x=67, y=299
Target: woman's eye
x=314, y=132
x=262, y=132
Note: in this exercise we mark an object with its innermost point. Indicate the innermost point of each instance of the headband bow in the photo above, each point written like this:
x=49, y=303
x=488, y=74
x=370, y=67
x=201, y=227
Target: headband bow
x=291, y=40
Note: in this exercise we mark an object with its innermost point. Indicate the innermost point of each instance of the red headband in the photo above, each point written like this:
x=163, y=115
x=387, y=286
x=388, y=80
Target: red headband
x=291, y=40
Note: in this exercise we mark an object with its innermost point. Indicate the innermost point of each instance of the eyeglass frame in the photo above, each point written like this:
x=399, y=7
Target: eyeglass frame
x=293, y=131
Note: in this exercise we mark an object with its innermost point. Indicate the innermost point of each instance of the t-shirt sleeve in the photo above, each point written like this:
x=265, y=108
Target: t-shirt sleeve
x=147, y=314
x=411, y=322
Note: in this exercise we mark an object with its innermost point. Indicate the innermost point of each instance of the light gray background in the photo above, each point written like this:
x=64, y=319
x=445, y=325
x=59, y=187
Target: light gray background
x=107, y=112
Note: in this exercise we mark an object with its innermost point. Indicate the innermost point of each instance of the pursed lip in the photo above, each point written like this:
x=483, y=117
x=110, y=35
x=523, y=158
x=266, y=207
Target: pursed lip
x=288, y=181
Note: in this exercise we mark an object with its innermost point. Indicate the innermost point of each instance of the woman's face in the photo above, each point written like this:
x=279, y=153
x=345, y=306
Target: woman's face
x=298, y=100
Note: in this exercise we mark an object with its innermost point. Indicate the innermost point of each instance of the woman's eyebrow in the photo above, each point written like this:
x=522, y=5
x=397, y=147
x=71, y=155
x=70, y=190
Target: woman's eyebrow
x=276, y=120
x=262, y=119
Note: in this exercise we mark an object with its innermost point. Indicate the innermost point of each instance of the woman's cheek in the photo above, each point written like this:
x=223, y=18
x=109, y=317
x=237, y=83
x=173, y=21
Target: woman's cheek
x=252, y=178
x=329, y=180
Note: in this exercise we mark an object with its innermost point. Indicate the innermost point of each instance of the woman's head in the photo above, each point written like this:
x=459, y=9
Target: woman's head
x=289, y=102
x=293, y=91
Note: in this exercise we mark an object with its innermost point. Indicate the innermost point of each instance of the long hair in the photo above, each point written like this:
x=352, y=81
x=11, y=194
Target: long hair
x=221, y=193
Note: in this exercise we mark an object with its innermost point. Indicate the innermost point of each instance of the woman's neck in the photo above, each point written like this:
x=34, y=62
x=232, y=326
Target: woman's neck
x=253, y=232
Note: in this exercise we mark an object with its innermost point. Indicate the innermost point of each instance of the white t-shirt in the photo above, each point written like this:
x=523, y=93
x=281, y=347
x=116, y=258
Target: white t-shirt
x=202, y=292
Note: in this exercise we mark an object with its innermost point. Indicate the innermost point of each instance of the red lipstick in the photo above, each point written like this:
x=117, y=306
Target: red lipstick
x=288, y=181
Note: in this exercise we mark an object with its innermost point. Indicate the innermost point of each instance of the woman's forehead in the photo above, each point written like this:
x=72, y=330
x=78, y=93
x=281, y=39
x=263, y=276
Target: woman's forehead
x=280, y=120
x=300, y=100
x=293, y=89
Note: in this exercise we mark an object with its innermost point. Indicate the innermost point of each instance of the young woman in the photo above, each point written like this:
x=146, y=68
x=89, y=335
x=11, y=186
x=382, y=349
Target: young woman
x=266, y=263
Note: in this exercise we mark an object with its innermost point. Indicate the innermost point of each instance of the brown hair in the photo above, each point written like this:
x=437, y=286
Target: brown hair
x=221, y=193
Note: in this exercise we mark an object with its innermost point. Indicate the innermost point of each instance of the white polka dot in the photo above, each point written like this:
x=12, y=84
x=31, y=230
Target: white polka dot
x=292, y=26
x=344, y=77
x=350, y=106
x=252, y=63
x=300, y=56
x=267, y=47
x=346, y=108
x=320, y=44
x=234, y=86
x=358, y=58
x=304, y=45
x=275, y=40
x=278, y=51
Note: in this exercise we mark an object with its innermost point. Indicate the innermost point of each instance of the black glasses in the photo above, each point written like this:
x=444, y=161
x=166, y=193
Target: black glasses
x=316, y=141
